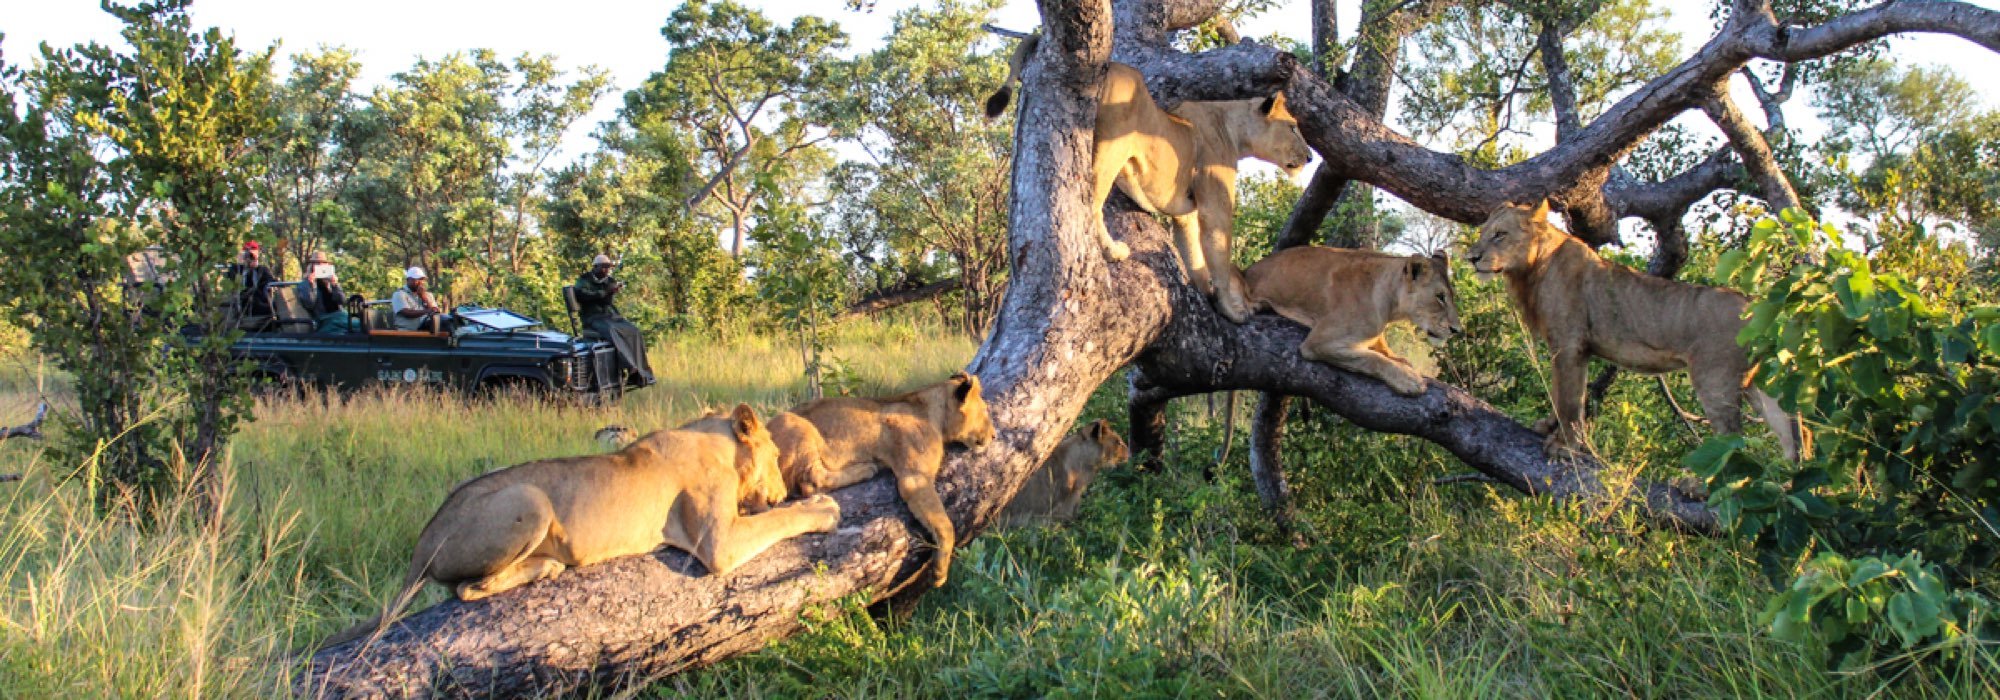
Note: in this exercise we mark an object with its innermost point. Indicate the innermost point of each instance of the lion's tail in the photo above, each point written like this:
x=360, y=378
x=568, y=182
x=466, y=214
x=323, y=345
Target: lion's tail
x=997, y=102
x=375, y=626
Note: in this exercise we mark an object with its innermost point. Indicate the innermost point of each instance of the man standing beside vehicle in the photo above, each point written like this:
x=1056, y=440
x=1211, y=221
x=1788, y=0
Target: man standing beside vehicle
x=594, y=291
x=320, y=292
x=414, y=307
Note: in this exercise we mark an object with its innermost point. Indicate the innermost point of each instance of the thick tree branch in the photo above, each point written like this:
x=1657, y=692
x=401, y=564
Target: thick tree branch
x=1751, y=147
x=885, y=299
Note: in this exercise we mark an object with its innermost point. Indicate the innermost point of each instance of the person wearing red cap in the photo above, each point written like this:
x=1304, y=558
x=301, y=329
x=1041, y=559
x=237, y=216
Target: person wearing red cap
x=252, y=300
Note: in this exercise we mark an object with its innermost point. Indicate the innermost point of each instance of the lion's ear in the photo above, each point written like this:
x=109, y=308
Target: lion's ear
x=1096, y=430
x=1541, y=210
x=968, y=386
x=1416, y=268
x=746, y=422
x=1265, y=107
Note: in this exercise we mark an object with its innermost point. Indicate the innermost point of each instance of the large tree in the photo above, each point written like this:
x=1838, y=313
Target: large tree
x=1070, y=320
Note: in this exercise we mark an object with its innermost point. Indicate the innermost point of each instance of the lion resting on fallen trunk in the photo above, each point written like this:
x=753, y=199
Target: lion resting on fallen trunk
x=1180, y=164
x=1348, y=296
x=1583, y=306
x=680, y=487
x=906, y=433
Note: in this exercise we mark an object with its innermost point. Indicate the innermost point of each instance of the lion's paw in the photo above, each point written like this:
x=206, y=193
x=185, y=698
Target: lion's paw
x=826, y=508
x=1407, y=385
x=1115, y=251
x=1233, y=307
x=1544, y=426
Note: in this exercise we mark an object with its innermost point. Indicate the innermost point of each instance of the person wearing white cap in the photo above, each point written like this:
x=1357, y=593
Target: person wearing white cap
x=414, y=307
x=594, y=291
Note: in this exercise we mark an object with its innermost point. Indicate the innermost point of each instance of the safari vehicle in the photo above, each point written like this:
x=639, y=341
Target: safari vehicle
x=491, y=349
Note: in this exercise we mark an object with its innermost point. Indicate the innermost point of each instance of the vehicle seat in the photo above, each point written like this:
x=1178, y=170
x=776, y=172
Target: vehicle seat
x=576, y=314
x=291, y=313
x=379, y=318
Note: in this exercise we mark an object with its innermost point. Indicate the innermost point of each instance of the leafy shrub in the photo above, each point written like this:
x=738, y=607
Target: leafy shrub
x=1902, y=498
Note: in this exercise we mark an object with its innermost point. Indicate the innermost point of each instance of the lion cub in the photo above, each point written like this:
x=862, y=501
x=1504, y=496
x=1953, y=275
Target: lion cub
x=1583, y=306
x=1055, y=489
x=1180, y=164
x=680, y=487
x=1348, y=296
x=906, y=433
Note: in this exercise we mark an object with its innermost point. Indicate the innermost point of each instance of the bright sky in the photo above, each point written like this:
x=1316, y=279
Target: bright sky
x=623, y=36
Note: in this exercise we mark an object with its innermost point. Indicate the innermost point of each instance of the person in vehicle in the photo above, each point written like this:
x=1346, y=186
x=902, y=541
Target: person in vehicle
x=594, y=292
x=321, y=295
x=252, y=299
x=413, y=306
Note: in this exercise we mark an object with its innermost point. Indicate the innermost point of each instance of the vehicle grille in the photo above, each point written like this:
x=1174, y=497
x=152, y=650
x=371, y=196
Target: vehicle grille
x=580, y=369
x=605, y=363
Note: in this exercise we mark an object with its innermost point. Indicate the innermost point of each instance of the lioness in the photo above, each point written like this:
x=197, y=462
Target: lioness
x=1056, y=488
x=905, y=433
x=678, y=487
x=1347, y=296
x=1584, y=306
x=1180, y=164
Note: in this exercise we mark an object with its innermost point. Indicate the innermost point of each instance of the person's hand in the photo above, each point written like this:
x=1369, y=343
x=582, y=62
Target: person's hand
x=616, y=285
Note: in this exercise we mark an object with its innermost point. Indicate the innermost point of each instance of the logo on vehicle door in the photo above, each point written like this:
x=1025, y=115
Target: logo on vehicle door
x=409, y=376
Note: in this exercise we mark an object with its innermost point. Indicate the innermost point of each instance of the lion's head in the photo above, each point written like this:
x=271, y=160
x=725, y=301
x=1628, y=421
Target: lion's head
x=1429, y=299
x=760, y=484
x=1275, y=138
x=1514, y=236
x=1111, y=448
x=966, y=422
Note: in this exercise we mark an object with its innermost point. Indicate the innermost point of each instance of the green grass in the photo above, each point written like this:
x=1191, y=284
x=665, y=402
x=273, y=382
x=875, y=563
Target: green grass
x=1168, y=585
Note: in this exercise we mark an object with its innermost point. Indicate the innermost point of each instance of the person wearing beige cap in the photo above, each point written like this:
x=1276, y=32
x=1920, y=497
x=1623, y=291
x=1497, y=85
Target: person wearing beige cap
x=414, y=307
x=594, y=292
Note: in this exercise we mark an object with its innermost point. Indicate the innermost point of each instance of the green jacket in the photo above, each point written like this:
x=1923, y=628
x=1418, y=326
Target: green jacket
x=594, y=298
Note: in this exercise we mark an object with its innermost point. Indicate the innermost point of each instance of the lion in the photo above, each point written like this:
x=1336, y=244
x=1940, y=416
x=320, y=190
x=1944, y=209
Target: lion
x=1179, y=164
x=681, y=488
x=907, y=434
x=614, y=437
x=1055, y=489
x=1583, y=306
x=1348, y=296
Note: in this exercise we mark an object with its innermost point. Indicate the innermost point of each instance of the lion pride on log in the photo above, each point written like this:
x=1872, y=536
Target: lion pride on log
x=1346, y=297
x=681, y=487
x=1180, y=164
x=1583, y=306
x=854, y=438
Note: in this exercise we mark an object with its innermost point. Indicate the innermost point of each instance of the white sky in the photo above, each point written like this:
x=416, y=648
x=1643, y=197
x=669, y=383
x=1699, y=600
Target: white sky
x=623, y=36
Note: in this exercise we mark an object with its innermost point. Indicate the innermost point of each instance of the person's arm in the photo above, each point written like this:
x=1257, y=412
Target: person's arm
x=405, y=306
x=588, y=289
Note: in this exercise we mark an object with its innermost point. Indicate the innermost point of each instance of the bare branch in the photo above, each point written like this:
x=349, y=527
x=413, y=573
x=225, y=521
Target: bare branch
x=31, y=429
x=1751, y=147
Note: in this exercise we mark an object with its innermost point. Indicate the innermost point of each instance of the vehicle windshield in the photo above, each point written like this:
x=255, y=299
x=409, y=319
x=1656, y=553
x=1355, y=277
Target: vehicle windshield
x=496, y=319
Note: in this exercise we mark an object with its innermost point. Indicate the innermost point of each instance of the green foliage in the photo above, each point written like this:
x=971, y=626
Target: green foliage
x=801, y=277
x=1900, y=391
x=113, y=151
x=930, y=202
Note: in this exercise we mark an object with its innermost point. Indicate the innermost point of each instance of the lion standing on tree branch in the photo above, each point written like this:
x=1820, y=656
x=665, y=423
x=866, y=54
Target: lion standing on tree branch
x=1180, y=164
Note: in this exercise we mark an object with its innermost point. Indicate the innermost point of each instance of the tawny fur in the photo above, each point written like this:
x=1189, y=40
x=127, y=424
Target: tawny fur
x=1583, y=306
x=906, y=434
x=1181, y=165
x=681, y=488
x=1347, y=298
x=1056, y=488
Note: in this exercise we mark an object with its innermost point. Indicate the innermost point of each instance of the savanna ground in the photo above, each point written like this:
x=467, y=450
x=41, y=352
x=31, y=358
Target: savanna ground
x=1168, y=585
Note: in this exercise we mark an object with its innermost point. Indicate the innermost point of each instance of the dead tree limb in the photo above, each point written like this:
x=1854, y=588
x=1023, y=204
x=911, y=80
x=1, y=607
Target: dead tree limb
x=899, y=295
x=30, y=429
